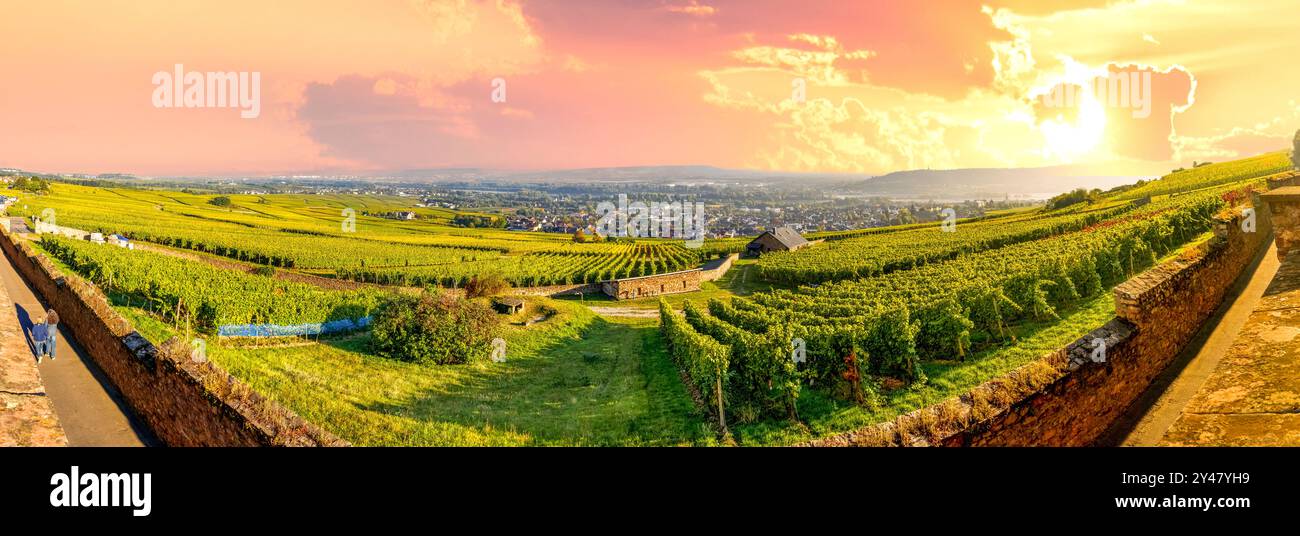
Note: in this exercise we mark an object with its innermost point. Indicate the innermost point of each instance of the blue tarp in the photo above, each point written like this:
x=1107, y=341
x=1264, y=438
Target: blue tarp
x=274, y=330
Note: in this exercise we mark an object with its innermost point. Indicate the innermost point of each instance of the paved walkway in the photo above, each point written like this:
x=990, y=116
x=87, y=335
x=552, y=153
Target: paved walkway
x=1252, y=398
x=89, y=408
x=27, y=416
x=1164, y=401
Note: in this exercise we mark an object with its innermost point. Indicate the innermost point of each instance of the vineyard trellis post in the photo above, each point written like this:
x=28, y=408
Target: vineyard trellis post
x=722, y=415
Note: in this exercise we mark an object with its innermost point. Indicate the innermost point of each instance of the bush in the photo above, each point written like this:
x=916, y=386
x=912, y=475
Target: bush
x=221, y=201
x=485, y=285
x=436, y=327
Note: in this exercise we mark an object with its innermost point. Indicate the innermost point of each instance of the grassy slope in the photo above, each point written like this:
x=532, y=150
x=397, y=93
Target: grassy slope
x=575, y=379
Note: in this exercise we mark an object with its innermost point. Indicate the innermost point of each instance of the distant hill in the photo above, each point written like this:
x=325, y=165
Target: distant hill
x=956, y=184
x=984, y=183
x=953, y=184
x=643, y=174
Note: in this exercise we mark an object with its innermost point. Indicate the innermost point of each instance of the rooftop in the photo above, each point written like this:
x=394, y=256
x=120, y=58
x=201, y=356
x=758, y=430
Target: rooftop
x=787, y=236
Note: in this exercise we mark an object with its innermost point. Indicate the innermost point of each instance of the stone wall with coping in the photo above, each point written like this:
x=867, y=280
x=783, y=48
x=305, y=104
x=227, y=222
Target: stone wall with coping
x=186, y=402
x=715, y=269
x=653, y=285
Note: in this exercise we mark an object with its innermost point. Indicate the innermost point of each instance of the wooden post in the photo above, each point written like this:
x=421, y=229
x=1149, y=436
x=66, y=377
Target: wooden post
x=722, y=416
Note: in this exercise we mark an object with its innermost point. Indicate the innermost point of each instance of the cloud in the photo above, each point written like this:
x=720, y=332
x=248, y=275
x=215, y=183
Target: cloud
x=693, y=8
x=1239, y=142
x=1228, y=94
x=833, y=117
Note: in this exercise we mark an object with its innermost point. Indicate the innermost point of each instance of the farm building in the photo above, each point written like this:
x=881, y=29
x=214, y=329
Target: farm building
x=779, y=239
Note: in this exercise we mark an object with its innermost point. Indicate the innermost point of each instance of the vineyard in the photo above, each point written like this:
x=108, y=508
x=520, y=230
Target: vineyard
x=874, y=252
x=561, y=266
x=884, y=252
x=878, y=309
x=850, y=331
x=311, y=234
x=1213, y=175
x=202, y=297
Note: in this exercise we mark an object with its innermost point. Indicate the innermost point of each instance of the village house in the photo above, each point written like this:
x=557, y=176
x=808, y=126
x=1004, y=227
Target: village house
x=779, y=239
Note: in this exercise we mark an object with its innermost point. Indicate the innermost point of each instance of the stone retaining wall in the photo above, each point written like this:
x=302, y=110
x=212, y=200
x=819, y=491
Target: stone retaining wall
x=185, y=402
x=653, y=285
x=714, y=270
x=558, y=290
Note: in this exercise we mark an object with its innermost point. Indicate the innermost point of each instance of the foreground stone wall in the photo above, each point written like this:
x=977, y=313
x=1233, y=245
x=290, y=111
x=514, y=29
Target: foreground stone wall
x=1071, y=397
x=184, y=402
x=1284, y=209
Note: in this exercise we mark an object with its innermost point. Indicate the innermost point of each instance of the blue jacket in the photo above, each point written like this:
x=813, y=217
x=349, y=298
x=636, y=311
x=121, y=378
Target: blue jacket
x=42, y=332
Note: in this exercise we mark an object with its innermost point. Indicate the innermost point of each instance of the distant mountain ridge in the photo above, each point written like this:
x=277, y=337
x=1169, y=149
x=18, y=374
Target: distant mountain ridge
x=983, y=183
x=948, y=184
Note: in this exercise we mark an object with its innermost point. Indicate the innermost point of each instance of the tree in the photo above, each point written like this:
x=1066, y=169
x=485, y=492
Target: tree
x=437, y=327
x=221, y=201
x=1295, y=150
x=31, y=184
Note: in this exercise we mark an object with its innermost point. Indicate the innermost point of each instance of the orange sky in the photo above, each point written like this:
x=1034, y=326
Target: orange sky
x=366, y=85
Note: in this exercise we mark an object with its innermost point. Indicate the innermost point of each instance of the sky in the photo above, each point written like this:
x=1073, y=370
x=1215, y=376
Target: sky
x=363, y=86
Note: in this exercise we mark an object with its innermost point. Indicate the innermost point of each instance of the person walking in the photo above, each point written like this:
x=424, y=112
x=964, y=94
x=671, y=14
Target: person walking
x=52, y=327
x=43, y=335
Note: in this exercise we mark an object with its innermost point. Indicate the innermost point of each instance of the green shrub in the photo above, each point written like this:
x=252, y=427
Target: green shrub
x=436, y=327
x=485, y=285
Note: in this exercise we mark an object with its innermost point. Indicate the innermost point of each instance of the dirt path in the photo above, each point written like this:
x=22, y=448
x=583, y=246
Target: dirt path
x=1162, y=403
x=627, y=312
x=90, y=409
